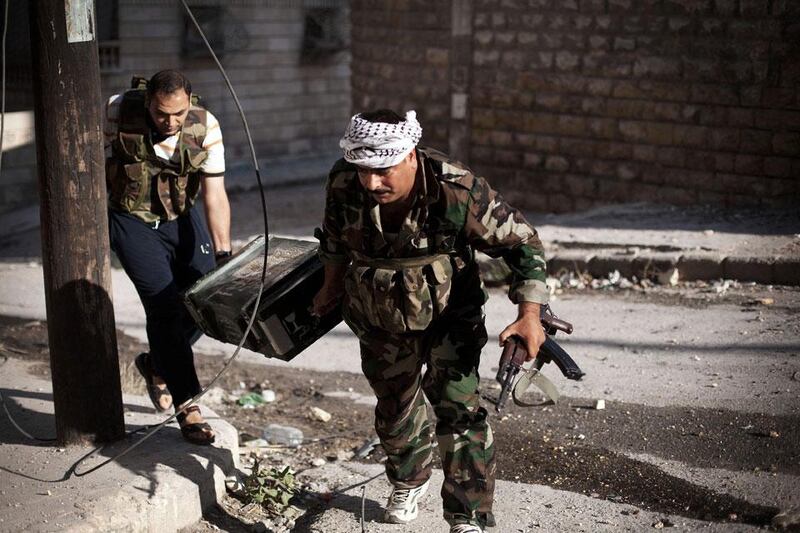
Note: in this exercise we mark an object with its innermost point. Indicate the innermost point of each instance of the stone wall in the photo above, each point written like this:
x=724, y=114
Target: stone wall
x=574, y=103
x=295, y=105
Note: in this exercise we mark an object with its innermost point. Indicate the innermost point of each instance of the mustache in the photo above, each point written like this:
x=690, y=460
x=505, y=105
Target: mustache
x=381, y=191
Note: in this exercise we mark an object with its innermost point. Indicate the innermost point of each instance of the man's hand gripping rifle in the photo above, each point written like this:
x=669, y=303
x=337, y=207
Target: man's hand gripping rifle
x=514, y=355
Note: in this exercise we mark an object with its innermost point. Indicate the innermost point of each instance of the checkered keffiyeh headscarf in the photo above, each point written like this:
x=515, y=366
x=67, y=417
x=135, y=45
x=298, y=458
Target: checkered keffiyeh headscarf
x=378, y=144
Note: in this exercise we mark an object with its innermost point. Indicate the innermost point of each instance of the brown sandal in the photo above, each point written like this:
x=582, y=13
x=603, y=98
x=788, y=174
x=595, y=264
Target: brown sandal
x=198, y=433
x=145, y=367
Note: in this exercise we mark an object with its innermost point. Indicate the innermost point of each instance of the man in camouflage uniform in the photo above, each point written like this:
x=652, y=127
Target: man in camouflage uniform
x=400, y=229
x=164, y=151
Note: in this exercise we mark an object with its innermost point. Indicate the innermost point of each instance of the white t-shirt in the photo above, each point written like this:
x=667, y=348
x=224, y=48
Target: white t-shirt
x=214, y=165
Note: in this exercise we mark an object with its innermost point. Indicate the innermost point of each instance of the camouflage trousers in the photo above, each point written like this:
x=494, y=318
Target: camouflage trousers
x=393, y=365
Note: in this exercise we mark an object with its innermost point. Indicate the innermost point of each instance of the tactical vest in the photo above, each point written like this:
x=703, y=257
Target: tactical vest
x=398, y=295
x=404, y=286
x=140, y=182
x=405, y=294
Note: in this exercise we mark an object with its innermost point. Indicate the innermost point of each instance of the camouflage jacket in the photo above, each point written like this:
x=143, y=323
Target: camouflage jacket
x=455, y=211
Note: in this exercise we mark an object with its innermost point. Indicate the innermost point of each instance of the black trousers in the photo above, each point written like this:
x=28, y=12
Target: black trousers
x=162, y=262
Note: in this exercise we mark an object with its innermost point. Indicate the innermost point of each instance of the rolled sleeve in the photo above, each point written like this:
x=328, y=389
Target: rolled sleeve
x=499, y=230
x=331, y=248
x=214, y=164
x=529, y=290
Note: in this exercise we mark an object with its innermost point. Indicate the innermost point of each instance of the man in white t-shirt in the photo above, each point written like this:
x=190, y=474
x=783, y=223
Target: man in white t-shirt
x=163, y=151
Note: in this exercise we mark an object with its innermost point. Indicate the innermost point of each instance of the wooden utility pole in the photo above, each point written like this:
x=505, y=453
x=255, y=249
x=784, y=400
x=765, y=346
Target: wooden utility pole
x=75, y=249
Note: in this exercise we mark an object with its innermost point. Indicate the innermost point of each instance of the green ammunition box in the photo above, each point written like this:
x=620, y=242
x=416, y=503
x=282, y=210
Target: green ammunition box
x=223, y=301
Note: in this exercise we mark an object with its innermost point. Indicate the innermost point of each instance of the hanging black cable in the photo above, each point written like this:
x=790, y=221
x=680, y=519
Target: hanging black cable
x=153, y=429
x=3, y=81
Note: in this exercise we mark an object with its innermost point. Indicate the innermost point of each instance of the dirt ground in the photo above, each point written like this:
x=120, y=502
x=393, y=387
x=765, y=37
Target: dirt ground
x=541, y=445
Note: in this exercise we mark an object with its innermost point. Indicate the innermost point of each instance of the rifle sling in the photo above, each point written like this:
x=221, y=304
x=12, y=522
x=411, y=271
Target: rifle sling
x=535, y=377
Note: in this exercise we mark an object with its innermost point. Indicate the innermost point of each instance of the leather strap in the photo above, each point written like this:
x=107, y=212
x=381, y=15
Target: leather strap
x=535, y=377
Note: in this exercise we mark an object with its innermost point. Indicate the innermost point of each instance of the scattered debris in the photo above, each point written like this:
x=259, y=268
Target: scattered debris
x=358, y=398
x=251, y=400
x=320, y=414
x=669, y=277
x=721, y=286
x=553, y=285
x=255, y=443
x=787, y=520
x=284, y=435
x=343, y=455
x=11, y=349
x=268, y=395
x=367, y=448
x=614, y=280
x=215, y=396
x=233, y=484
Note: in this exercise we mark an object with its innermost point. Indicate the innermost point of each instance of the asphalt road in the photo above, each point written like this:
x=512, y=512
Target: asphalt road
x=702, y=389
x=733, y=354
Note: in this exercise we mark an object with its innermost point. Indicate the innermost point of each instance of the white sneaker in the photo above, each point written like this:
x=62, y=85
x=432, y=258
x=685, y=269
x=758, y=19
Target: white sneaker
x=465, y=528
x=402, y=505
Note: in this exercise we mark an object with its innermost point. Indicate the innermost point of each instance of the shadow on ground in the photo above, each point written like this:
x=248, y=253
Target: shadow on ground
x=569, y=447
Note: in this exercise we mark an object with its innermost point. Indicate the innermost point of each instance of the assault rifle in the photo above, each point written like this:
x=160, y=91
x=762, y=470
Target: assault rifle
x=514, y=355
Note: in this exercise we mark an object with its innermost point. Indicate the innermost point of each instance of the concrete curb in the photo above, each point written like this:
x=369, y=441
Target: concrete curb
x=691, y=266
x=163, y=485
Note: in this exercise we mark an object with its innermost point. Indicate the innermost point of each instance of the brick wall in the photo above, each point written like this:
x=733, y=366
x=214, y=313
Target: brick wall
x=297, y=104
x=400, y=60
x=296, y=107
x=573, y=103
